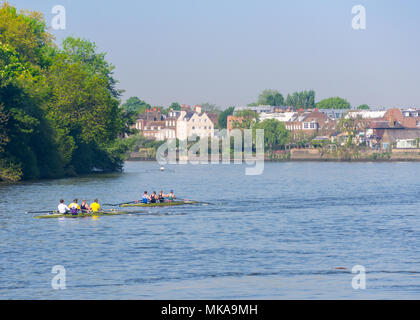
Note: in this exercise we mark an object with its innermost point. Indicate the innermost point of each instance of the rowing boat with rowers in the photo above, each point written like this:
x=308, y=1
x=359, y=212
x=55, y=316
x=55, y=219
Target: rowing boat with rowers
x=83, y=215
x=159, y=204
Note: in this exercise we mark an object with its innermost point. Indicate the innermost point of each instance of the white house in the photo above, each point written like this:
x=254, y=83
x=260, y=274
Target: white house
x=194, y=123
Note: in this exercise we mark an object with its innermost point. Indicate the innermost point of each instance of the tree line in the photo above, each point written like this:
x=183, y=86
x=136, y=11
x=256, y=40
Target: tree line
x=302, y=100
x=59, y=106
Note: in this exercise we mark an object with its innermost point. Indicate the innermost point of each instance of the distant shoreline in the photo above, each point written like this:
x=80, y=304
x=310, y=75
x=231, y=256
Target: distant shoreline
x=314, y=155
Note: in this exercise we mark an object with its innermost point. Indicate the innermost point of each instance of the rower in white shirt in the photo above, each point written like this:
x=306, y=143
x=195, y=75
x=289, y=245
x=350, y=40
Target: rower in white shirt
x=62, y=208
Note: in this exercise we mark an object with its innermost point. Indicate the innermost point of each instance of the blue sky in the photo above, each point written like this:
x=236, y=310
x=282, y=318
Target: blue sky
x=227, y=51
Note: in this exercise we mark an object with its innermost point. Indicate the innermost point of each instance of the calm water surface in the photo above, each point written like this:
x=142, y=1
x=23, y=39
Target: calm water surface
x=281, y=235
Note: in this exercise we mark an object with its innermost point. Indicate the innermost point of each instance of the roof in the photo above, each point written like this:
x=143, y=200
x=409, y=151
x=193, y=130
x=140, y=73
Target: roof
x=366, y=114
x=399, y=134
x=281, y=116
x=384, y=125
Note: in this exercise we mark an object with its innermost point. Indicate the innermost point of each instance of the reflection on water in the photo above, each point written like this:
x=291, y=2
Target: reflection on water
x=280, y=235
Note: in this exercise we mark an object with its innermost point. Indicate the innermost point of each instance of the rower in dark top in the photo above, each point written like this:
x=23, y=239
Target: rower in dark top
x=154, y=197
x=84, y=207
x=162, y=197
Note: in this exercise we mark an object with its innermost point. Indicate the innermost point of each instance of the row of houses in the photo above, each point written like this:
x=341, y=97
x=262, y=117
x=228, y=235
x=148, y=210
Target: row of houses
x=302, y=121
x=378, y=129
x=180, y=124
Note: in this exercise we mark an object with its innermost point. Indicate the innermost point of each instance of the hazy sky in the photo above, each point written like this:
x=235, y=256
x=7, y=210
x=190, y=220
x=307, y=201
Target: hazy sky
x=227, y=51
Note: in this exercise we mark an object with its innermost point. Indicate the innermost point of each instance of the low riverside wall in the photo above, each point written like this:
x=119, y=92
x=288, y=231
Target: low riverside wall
x=366, y=155
x=305, y=155
x=406, y=154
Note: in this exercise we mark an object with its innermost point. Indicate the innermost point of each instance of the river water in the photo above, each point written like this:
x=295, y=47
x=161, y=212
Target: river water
x=294, y=232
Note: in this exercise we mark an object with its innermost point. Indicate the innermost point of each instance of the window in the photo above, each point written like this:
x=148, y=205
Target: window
x=193, y=128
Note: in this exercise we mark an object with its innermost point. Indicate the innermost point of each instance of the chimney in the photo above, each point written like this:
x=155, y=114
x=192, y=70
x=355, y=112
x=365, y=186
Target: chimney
x=197, y=109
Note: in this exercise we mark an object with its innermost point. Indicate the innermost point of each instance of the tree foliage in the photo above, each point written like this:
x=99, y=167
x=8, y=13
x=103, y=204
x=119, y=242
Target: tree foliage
x=135, y=105
x=59, y=109
x=210, y=107
x=333, y=103
x=352, y=125
x=223, y=117
x=363, y=107
x=304, y=99
x=275, y=133
x=175, y=106
x=270, y=98
x=248, y=119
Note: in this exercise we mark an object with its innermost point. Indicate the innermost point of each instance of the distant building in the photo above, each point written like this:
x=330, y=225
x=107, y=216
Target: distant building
x=152, y=129
x=366, y=114
x=334, y=114
x=311, y=122
x=400, y=138
x=257, y=109
x=282, y=117
x=231, y=121
x=194, y=123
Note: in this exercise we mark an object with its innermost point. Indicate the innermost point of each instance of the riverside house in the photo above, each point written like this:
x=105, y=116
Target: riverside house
x=177, y=124
x=400, y=139
x=194, y=123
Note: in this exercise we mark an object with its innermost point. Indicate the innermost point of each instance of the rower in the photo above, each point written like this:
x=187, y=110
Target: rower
x=153, y=197
x=62, y=208
x=162, y=197
x=84, y=207
x=95, y=206
x=171, y=196
x=145, y=198
x=74, y=207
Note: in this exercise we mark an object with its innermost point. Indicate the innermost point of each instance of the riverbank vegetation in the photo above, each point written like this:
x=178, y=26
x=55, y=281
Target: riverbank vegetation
x=59, y=106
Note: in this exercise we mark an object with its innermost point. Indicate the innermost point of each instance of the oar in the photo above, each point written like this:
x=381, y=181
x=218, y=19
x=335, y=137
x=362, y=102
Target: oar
x=198, y=202
x=49, y=211
x=118, y=204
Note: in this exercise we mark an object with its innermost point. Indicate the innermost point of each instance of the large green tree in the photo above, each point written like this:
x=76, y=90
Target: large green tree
x=58, y=107
x=333, y=103
x=275, y=133
x=134, y=104
x=269, y=98
x=304, y=99
x=363, y=107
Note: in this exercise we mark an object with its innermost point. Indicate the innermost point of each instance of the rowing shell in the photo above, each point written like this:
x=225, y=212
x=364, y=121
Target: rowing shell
x=55, y=215
x=159, y=204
